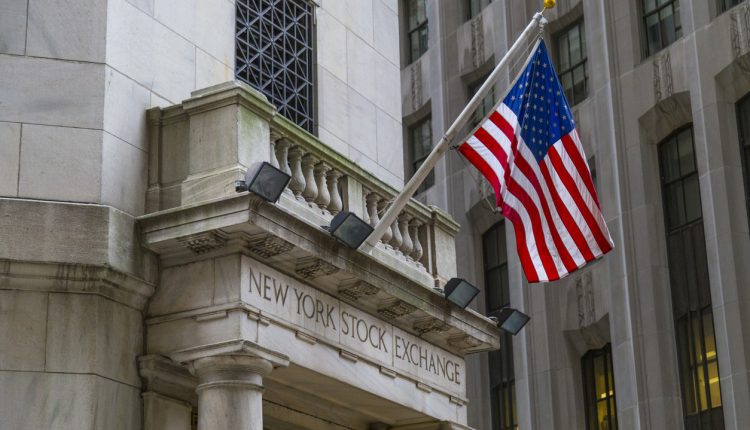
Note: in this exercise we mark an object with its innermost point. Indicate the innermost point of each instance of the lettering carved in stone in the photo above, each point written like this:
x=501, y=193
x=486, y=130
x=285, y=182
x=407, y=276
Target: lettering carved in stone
x=396, y=309
x=311, y=268
x=204, y=242
x=267, y=245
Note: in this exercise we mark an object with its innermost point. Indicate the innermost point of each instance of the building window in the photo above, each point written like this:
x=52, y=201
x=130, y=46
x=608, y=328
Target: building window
x=662, y=24
x=497, y=296
x=274, y=54
x=488, y=102
x=571, y=55
x=417, y=29
x=691, y=293
x=728, y=4
x=599, y=389
x=420, y=143
x=474, y=7
x=743, y=126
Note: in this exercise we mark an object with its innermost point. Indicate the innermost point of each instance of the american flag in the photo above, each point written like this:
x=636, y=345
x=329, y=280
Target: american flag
x=530, y=152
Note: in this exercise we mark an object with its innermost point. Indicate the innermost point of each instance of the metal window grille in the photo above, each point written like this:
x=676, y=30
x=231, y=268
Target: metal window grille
x=662, y=24
x=420, y=141
x=497, y=296
x=417, y=29
x=572, y=59
x=743, y=129
x=488, y=102
x=689, y=283
x=599, y=389
x=274, y=54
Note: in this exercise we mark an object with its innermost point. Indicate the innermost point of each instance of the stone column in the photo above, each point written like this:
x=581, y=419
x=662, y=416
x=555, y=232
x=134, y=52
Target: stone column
x=230, y=391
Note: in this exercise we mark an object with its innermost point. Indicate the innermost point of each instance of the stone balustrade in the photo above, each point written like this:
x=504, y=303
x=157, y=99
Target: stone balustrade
x=203, y=145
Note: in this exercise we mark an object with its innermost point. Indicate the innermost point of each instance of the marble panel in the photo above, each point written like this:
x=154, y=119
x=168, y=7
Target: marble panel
x=360, y=63
x=331, y=45
x=226, y=280
x=13, y=23
x=23, y=320
x=359, y=19
x=386, y=31
x=207, y=24
x=183, y=288
x=22, y=77
x=362, y=160
x=125, y=104
x=124, y=175
x=163, y=413
x=333, y=111
x=69, y=30
x=146, y=6
x=210, y=71
x=149, y=52
x=362, y=125
x=332, y=140
x=60, y=163
x=10, y=147
x=387, y=86
x=389, y=144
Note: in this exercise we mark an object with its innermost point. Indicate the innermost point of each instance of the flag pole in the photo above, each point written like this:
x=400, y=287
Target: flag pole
x=401, y=200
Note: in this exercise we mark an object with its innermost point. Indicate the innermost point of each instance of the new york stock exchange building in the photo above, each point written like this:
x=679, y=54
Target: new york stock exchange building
x=140, y=290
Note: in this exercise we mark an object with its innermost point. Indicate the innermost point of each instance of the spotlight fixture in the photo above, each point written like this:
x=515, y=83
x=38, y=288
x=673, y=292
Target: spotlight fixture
x=510, y=320
x=349, y=229
x=460, y=292
x=265, y=181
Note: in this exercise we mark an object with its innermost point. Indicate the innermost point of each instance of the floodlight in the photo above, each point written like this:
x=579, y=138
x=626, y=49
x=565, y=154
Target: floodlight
x=510, y=320
x=460, y=292
x=266, y=181
x=349, y=229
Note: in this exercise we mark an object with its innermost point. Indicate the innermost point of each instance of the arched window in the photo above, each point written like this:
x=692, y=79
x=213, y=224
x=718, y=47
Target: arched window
x=688, y=276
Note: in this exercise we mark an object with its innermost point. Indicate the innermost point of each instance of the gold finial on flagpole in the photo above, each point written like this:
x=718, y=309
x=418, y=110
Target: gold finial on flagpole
x=549, y=4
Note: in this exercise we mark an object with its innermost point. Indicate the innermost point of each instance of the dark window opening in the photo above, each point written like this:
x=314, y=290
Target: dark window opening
x=728, y=4
x=488, y=102
x=497, y=296
x=416, y=29
x=571, y=64
x=743, y=128
x=474, y=7
x=689, y=282
x=274, y=54
x=420, y=145
x=599, y=389
x=662, y=24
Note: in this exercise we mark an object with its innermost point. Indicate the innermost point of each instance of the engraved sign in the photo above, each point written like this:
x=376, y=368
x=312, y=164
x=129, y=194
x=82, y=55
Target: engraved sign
x=326, y=318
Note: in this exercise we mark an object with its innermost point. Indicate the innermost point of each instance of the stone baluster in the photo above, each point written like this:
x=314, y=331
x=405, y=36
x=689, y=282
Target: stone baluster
x=274, y=160
x=311, y=187
x=386, y=239
x=336, y=203
x=407, y=245
x=372, y=208
x=397, y=239
x=324, y=197
x=414, y=227
x=297, y=184
x=282, y=155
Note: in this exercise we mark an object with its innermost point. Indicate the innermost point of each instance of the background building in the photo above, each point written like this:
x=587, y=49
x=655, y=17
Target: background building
x=655, y=336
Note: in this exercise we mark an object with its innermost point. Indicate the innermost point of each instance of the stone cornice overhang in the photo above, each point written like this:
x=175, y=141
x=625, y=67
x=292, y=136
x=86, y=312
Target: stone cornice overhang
x=232, y=224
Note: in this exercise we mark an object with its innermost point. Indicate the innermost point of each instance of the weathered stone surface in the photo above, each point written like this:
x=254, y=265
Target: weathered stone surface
x=67, y=30
x=10, y=148
x=13, y=22
x=23, y=320
x=125, y=102
x=123, y=175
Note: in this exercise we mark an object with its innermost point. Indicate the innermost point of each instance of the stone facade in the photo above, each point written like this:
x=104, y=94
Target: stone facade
x=140, y=290
x=634, y=101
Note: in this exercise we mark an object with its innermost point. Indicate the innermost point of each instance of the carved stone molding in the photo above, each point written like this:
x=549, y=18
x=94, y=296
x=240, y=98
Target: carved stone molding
x=268, y=245
x=204, y=242
x=429, y=325
x=353, y=290
x=585, y=297
x=396, y=309
x=663, y=87
x=464, y=342
x=477, y=41
x=740, y=30
x=416, y=85
x=313, y=267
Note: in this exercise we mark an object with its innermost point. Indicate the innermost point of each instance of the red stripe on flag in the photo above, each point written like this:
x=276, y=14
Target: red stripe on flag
x=581, y=166
x=484, y=169
x=521, y=245
x=570, y=185
x=494, y=147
